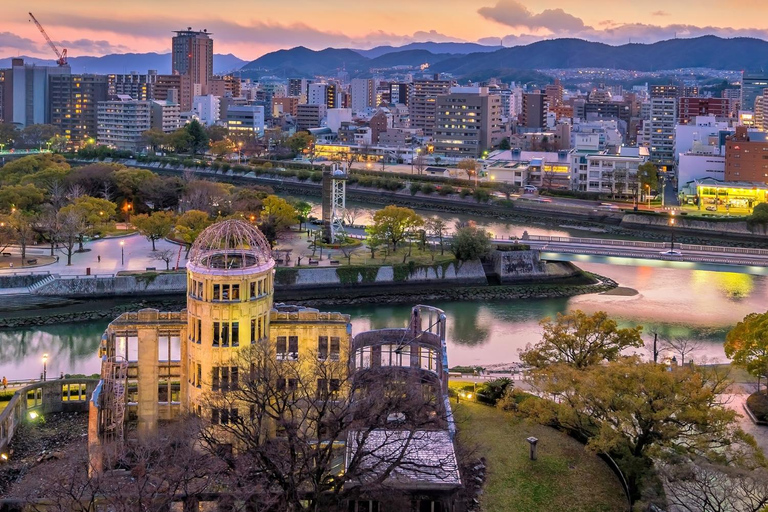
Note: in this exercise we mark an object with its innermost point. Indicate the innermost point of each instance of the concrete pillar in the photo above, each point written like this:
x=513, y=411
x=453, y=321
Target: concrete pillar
x=148, y=410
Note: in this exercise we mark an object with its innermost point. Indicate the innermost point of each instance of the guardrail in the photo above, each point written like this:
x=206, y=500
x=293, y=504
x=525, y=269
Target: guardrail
x=647, y=245
x=650, y=256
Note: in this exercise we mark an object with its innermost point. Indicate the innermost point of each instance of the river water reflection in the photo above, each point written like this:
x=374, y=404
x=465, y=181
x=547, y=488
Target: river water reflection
x=674, y=302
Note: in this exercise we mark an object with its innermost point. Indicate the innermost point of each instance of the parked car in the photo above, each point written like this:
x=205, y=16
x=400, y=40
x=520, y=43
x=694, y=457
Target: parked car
x=529, y=189
x=711, y=208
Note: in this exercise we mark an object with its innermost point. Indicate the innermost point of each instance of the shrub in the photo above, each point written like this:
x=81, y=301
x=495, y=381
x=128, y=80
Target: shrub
x=415, y=188
x=428, y=188
x=481, y=195
x=316, y=176
x=303, y=175
x=465, y=192
x=447, y=190
x=491, y=392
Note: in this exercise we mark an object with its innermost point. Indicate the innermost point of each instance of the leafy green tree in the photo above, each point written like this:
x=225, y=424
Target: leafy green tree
x=20, y=197
x=198, y=137
x=303, y=210
x=759, y=214
x=14, y=172
x=747, y=344
x=58, y=143
x=95, y=212
x=469, y=166
x=180, y=140
x=223, y=148
x=580, y=340
x=8, y=135
x=637, y=412
x=154, y=138
x=130, y=182
x=217, y=133
x=470, y=243
x=279, y=212
x=394, y=224
x=155, y=226
x=504, y=144
x=647, y=174
x=36, y=135
x=299, y=141
x=189, y=226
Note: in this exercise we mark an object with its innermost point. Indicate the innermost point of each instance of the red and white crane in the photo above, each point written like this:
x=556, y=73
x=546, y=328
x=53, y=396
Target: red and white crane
x=62, y=55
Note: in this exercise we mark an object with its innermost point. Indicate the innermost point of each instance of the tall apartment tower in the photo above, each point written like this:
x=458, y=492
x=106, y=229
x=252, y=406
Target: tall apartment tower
x=423, y=103
x=534, y=110
x=26, y=92
x=73, y=105
x=468, y=121
x=363, y=92
x=192, y=54
x=752, y=86
x=661, y=130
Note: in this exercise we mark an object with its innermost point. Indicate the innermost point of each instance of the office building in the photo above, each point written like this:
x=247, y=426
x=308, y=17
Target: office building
x=400, y=93
x=423, y=102
x=192, y=55
x=298, y=87
x=690, y=108
x=746, y=156
x=26, y=92
x=534, y=111
x=245, y=121
x=165, y=116
x=752, y=86
x=468, y=122
x=139, y=86
x=225, y=86
x=288, y=105
x=660, y=131
x=309, y=116
x=73, y=105
x=323, y=94
x=122, y=122
x=363, y=94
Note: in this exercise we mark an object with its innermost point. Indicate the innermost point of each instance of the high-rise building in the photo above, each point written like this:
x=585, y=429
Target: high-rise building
x=664, y=91
x=122, y=122
x=26, y=92
x=165, y=116
x=661, y=130
x=400, y=93
x=298, y=86
x=363, y=92
x=137, y=86
x=192, y=55
x=752, y=86
x=228, y=85
x=323, y=94
x=423, y=102
x=554, y=94
x=534, y=111
x=73, y=105
x=207, y=108
x=468, y=122
x=287, y=105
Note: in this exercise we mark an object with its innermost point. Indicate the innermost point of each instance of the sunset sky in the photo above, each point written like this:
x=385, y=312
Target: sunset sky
x=250, y=28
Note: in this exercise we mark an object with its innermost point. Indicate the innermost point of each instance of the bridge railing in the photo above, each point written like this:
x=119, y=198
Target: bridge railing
x=692, y=258
x=647, y=245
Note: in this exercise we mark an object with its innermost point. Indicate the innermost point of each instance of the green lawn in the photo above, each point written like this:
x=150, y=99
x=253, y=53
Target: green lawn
x=564, y=478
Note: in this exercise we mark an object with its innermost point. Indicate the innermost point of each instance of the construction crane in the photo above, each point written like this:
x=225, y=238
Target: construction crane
x=62, y=55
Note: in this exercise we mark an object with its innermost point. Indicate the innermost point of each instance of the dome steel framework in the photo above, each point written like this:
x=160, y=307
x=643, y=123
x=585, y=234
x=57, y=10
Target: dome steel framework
x=230, y=244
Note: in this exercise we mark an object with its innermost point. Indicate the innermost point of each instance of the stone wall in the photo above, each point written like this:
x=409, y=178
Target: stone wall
x=127, y=285
x=522, y=266
x=21, y=281
x=712, y=228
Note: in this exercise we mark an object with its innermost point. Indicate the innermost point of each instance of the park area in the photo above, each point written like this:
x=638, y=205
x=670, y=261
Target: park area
x=565, y=475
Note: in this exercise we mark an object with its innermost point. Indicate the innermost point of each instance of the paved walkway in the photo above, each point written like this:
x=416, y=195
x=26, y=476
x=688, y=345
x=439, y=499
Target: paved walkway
x=135, y=253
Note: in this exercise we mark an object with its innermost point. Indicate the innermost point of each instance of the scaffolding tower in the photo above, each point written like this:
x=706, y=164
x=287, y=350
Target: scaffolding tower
x=114, y=378
x=334, y=203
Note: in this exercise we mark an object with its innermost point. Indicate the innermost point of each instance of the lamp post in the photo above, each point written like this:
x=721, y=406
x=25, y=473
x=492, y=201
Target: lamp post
x=672, y=224
x=122, y=253
x=45, y=367
x=239, y=151
x=648, y=193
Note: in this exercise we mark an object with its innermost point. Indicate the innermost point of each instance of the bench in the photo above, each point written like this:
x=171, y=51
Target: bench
x=151, y=268
x=334, y=262
x=314, y=262
x=7, y=254
x=32, y=261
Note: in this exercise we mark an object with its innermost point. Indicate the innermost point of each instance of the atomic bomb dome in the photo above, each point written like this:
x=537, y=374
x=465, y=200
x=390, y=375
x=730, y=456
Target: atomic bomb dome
x=230, y=245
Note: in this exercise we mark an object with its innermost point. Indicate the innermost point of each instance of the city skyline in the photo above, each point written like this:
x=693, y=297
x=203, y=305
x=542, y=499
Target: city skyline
x=248, y=30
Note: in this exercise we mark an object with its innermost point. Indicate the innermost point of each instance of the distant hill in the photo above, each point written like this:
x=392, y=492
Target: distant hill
x=436, y=48
x=127, y=62
x=703, y=52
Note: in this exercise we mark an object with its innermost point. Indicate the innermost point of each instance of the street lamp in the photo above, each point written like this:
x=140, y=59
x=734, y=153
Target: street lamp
x=45, y=367
x=122, y=253
x=239, y=151
x=672, y=225
x=648, y=193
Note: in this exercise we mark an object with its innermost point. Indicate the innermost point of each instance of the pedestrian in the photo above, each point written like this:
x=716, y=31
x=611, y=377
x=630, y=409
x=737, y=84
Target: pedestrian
x=10, y=264
x=98, y=258
x=5, y=382
x=62, y=375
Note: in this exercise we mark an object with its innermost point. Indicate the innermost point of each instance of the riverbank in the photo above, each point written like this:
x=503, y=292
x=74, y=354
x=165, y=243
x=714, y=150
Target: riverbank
x=38, y=311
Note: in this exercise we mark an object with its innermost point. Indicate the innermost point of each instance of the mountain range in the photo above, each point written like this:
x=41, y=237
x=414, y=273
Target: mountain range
x=701, y=52
x=127, y=62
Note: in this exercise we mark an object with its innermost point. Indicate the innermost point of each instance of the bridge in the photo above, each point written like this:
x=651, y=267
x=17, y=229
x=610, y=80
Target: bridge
x=630, y=252
x=23, y=152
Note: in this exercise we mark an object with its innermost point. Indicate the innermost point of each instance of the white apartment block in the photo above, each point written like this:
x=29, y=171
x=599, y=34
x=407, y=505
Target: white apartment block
x=121, y=123
x=165, y=116
x=207, y=108
x=660, y=130
x=608, y=173
x=363, y=93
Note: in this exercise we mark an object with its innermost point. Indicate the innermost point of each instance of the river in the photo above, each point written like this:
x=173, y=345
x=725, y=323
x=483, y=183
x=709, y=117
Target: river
x=698, y=304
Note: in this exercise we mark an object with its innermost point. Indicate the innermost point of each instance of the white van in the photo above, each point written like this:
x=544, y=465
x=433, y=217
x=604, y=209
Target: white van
x=529, y=189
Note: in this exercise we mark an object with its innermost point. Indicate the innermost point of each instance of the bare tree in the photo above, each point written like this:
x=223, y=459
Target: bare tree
x=352, y=213
x=76, y=191
x=287, y=417
x=165, y=255
x=47, y=226
x=22, y=231
x=71, y=226
x=693, y=486
x=437, y=228
x=682, y=345
x=420, y=163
